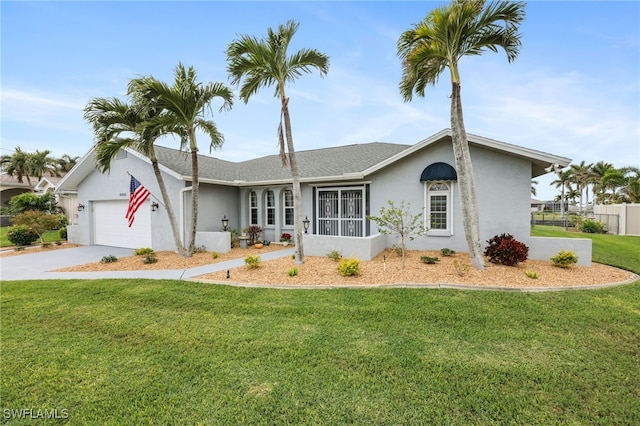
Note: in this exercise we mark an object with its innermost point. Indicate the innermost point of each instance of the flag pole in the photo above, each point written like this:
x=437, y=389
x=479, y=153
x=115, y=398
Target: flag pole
x=150, y=193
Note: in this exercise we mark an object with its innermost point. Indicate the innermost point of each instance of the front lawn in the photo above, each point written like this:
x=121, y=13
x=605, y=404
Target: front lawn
x=176, y=352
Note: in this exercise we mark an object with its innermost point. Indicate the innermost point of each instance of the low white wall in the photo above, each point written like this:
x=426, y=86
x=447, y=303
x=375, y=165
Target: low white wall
x=219, y=242
x=76, y=235
x=544, y=248
x=360, y=248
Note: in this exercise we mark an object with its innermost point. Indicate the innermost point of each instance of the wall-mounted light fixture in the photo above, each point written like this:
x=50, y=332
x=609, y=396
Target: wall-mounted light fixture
x=225, y=223
x=306, y=223
x=80, y=207
x=154, y=206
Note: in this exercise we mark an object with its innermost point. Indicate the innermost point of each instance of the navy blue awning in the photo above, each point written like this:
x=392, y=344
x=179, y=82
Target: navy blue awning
x=438, y=171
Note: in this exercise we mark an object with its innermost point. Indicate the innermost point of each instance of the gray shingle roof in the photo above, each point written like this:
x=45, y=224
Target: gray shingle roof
x=316, y=163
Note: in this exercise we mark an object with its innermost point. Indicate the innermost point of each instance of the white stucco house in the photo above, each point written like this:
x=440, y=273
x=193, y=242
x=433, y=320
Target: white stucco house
x=341, y=186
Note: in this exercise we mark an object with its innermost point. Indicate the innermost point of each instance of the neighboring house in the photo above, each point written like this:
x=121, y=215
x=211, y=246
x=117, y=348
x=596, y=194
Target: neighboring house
x=9, y=187
x=341, y=186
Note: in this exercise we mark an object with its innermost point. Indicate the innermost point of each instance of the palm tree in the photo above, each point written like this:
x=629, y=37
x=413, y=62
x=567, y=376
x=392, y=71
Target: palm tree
x=254, y=64
x=183, y=106
x=581, y=176
x=118, y=125
x=563, y=182
x=67, y=162
x=439, y=41
x=17, y=164
x=632, y=186
x=598, y=170
x=40, y=163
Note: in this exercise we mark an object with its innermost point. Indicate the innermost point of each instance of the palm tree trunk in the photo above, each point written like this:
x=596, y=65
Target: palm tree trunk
x=295, y=176
x=167, y=202
x=464, y=168
x=195, y=192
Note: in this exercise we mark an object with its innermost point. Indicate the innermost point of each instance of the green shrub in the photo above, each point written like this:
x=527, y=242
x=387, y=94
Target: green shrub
x=334, y=255
x=349, y=267
x=63, y=233
x=397, y=249
x=461, y=268
x=215, y=255
x=447, y=252
x=505, y=250
x=109, y=259
x=252, y=262
x=150, y=258
x=592, y=227
x=293, y=272
x=142, y=251
x=21, y=235
x=531, y=274
x=429, y=260
x=564, y=259
x=62, y=221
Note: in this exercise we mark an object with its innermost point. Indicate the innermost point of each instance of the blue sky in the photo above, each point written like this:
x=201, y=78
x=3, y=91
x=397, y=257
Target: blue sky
x=574, y=90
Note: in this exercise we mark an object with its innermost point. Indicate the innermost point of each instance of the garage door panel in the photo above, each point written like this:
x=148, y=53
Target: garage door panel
x=112, y=229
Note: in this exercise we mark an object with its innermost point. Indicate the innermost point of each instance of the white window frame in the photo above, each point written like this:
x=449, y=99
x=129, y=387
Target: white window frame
x=286, y=207
x=340, y=218
x=270, y=207
x=448, y=193
x=253, y=207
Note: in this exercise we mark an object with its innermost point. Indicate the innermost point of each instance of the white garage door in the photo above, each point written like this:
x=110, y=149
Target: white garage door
x=112, y=229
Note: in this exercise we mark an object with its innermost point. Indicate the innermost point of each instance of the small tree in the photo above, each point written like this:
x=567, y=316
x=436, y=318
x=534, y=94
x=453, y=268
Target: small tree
x=38, y=221
x=399, y=221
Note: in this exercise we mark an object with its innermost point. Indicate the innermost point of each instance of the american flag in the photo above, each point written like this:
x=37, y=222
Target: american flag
x=138, y=194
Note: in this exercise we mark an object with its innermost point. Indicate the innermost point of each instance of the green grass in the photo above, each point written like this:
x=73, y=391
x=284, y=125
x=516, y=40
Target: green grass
x=615, y=250
x=174, y=352
x=49, y=237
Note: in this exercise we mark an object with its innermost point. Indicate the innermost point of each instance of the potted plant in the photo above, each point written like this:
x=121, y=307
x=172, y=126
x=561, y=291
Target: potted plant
x=253, y=232
x=285, y=238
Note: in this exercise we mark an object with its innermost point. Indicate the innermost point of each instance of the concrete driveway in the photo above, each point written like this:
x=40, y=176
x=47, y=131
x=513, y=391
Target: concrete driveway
x=39, y=266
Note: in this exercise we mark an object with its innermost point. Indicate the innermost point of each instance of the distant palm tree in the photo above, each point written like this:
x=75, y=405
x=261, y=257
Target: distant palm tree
x=439, y=41
x=563, y=182
x=598, y=170
x=184, y=106
x=254, y=64
x=119, y=125
x=632, y=186
x=581, y=176
x=41, y=163
x=67, y=162
x=17, y=165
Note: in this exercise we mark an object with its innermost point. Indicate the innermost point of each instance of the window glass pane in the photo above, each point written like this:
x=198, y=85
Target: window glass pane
x=438, y=212
x=271, y=208
x=288, y=207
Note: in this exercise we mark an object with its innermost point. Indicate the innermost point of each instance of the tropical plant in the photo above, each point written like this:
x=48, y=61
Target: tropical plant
x=349, y=267
x=399, y=221
x=563, y=182
x=184, y=106
x=253, y=232
x=17, y=165
x=67, y=162
x=252, y=261
x=256, y=63
x=439, y=41
x=30, y=201
x=118, y=125
x=581, y=175
x=41, y=163
x=564, y=259
x=504, y=249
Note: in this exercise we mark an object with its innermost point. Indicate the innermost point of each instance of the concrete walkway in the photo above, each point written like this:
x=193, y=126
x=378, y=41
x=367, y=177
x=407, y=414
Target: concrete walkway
x=39, y=266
